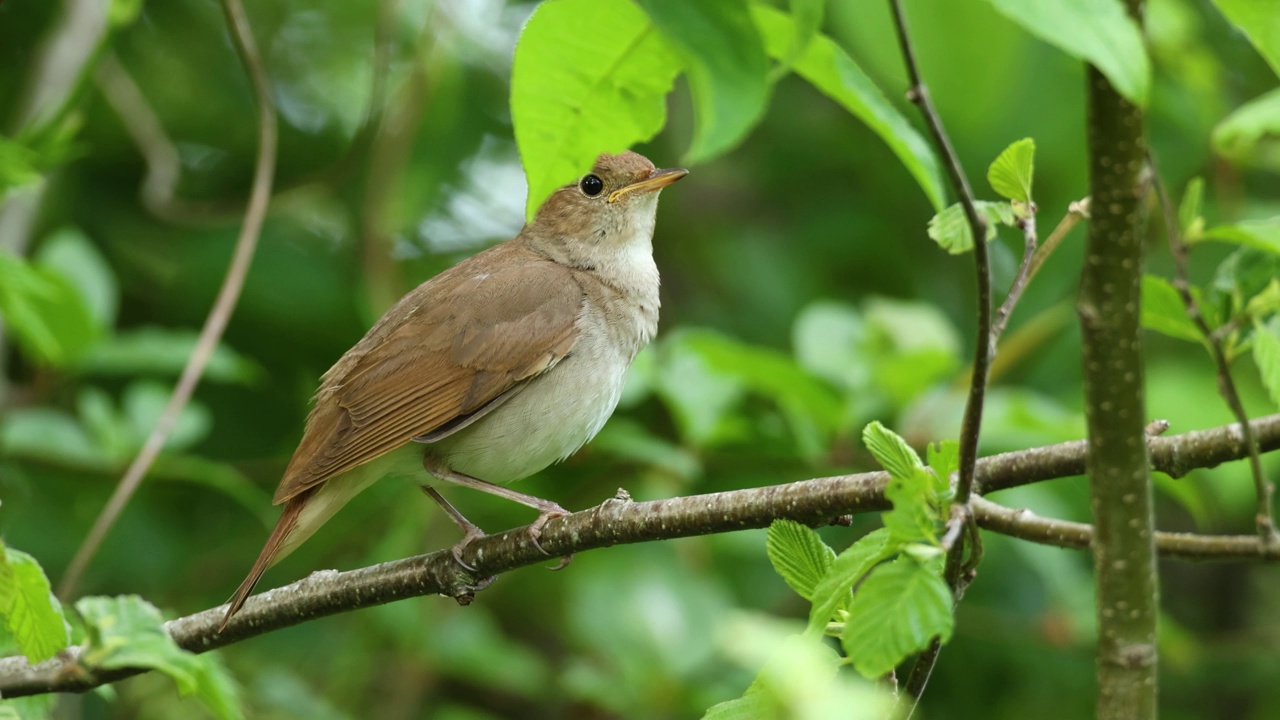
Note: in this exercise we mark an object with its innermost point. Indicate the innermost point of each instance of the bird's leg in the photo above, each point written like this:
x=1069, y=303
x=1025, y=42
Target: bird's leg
x=470, y=531
x=546, y=509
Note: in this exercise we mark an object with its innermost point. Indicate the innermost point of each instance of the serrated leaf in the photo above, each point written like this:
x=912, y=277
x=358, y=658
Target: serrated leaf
x=1266, y=355
x=725, y=62
x=1258, y=234
x=833, y=591
x=1012, y=172
x=914, y=516
x=830, y=69
x=32, y=614
x=1164, y=311
x=1097, y=31
x=950, y=228
x=1257, y=18
x=798, y=555
x=1251, y=133
x=891, y=451
x=1190, y=222
x=127, y=631
x=897, y=610
x=589, y=76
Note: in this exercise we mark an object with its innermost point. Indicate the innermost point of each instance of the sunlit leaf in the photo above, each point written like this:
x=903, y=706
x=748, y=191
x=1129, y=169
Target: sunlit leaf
x=1266, y=355
x=726, y=66
x=32, y=615
x=1097, y=31
x=896, y=611
x=1012, y=172
x=950, y=228
x=1257, y=18
x=1251, y=134
x=830, y=69
x=128, y=632
x=589, y=76
x=850, y=566
x=1164, y=311
x=798, y=555
x=1257, y=234
x=891, y=451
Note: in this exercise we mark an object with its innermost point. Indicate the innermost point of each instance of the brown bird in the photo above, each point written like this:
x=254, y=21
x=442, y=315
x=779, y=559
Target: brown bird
x=507, y=362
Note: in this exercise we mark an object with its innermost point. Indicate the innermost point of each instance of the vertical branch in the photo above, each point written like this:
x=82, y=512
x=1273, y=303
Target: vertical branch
x=971, y=425
x=1117, y=462
x=219, y=315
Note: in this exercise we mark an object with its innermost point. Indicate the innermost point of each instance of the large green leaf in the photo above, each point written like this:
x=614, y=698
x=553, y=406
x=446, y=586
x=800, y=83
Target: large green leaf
x=798, y=555
x=1164, y=311
x=830, y=69
x=1260, y=21
x=1258, y=234
x=31, y=613
x=1251, y=134
x=896, y=611
x=589, y=76
x=1099, y=32
x=832, y=592
x=128, y=632
x=726, y=66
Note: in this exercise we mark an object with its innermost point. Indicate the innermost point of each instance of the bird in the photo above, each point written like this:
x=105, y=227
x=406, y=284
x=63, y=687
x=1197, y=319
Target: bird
x=505, y=363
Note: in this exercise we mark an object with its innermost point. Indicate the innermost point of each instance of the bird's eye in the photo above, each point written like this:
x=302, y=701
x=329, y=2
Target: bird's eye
x=591, y=185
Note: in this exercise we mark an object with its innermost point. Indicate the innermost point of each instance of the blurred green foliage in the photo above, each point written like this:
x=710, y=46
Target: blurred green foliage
x=803, y=299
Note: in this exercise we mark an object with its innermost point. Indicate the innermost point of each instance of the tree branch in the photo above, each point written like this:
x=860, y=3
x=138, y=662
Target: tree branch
x=219, y=315
x=1109, y=306
x=615, y=522
x=1026, y=525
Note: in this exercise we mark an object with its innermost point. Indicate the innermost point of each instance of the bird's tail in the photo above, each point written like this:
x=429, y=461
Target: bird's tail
x=271, y=552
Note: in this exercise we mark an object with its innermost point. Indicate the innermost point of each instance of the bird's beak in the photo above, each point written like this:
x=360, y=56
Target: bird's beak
x=657, y=180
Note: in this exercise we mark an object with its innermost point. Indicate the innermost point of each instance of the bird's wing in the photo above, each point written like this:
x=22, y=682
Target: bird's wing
x=462, y=346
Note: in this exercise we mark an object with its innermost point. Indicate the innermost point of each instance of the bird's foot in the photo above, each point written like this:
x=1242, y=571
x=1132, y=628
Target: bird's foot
x=547, y=511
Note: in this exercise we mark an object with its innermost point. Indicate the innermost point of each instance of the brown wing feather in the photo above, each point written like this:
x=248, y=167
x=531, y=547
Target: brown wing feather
x=456, y=344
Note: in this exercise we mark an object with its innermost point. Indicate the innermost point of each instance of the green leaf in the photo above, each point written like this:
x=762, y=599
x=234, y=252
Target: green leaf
x=1099, y=32
x=830, y=69
x=69, y=253
x=1266, y=355
x=47, y=315
x=807, y=16
x=17, y=165
x=629, y=439
x=31, y=707
x=1258, y=234
x=1257, y=19
x=32, y=614
x=162, y=351
x=833, y=591
x=891, y=451
x=1164, y=311
x=915, y=515
x=1011, y=173
x=1265, y=302
x=897, y=610
x=726, y=66
x=1190, y=221
x=127, y=631
x=1251, y=134
x=589, y=76
x=798, y=555
x=943, y=458
x=950, y=228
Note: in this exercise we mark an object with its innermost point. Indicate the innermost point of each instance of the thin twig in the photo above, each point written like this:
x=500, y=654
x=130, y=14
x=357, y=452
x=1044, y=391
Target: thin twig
x=1020, y=279
x=1178, y=248
x=1026, y=525
x=620, y=521
x=971, y=425
x=260, y=195
x=1077, y=211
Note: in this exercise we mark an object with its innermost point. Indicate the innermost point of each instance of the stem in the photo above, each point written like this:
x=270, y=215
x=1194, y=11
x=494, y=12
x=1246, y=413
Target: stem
x=1226, y=385
x=1115, y=409
x=219, y=315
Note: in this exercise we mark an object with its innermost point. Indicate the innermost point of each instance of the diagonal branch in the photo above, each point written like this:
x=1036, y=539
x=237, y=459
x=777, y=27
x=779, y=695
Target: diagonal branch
x=617, y=522
x=219, y=315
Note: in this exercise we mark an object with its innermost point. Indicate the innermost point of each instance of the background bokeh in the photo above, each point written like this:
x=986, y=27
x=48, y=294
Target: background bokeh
x=801, y=299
